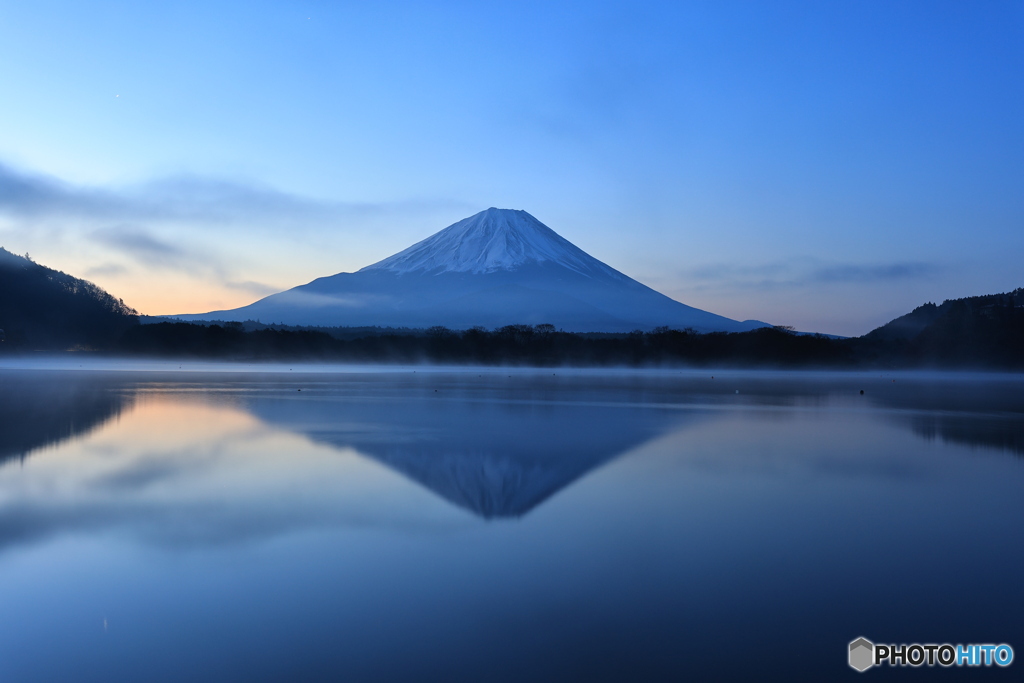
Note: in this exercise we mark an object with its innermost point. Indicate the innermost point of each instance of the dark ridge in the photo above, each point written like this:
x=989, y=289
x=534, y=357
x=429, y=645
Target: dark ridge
x=338, y=332
x=45, y=309
x=907, y=326
x=41, y=308
x=972, y=332
x=963, y=334
x=541, y=345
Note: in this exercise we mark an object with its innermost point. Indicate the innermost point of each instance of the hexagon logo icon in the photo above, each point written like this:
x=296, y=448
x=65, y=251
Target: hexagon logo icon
x=862, y=654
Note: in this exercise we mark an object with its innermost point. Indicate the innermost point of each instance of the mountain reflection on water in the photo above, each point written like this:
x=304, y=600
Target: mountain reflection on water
x=213, y=526
x=494, y=454
x=496, y=445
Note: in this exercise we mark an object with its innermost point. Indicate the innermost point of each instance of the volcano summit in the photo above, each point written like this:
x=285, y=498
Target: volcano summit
x=498, y=267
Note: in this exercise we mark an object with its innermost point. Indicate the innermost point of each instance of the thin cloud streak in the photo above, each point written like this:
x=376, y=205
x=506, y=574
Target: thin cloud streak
x=875, y=273
x=106, y=270
x=806, y=273
x=142, y=247
x=145, y=248
x=259, y=289
x=221, y=240
x=181, y=199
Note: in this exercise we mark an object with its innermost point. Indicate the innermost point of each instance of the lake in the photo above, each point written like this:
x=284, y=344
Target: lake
x=269, y=523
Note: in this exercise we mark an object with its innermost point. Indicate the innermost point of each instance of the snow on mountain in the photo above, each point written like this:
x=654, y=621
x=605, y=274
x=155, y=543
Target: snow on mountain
x=498, y=267
x=495, y=239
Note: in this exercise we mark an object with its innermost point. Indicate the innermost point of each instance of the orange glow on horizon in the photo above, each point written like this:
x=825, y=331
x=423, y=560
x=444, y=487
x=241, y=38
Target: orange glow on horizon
x=176, y=293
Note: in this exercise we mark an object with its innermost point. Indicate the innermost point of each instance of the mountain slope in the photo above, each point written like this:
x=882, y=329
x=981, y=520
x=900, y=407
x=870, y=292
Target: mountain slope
x=979, y=331
x=498, y=267
x=42, y=308
x=492, y=240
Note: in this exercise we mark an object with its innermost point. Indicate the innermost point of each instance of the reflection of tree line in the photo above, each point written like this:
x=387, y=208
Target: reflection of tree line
x=986, y=414
x=498, y=459
x=39, y=409
x=1005, y=434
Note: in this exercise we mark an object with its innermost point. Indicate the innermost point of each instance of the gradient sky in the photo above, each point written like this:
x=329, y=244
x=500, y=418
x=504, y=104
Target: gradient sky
x=827, y=165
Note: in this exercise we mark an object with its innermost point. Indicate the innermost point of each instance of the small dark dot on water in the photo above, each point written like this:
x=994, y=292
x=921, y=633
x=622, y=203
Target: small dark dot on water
x=861, y=392
x=298, y=390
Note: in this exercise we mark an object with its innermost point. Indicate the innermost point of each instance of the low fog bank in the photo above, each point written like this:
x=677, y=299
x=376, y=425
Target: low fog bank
x=544, y=346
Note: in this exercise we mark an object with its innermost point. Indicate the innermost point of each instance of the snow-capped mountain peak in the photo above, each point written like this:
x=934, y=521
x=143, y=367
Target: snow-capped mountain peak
x=492, y=240
x=500, y=267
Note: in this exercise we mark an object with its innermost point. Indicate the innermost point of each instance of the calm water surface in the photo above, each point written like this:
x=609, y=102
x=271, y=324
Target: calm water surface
x=159, y=524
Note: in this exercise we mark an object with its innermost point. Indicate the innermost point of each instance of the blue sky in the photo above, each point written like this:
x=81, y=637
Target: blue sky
x=824, y=165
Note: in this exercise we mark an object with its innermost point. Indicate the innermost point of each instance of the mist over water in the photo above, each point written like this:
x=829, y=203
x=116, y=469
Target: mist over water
x=229, y=522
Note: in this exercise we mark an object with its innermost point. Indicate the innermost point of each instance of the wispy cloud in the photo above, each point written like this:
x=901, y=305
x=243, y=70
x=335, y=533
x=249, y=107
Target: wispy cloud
x=873, y=273
x=142, y=246
x=800, y=273
x=251, y=287
x=224, y=237
x=106, y=270
x=180, y=199
x=151, y=251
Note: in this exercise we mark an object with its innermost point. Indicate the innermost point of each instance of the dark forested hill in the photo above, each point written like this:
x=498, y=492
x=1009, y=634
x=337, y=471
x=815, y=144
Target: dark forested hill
x=42, y=308
x=984, y=332
x=977, y=331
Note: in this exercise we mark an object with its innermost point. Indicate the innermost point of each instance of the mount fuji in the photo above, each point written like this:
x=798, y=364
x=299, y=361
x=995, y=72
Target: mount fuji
x=498, y=267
